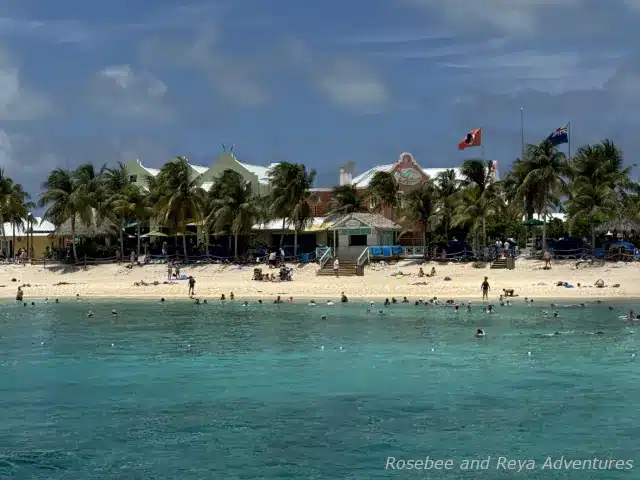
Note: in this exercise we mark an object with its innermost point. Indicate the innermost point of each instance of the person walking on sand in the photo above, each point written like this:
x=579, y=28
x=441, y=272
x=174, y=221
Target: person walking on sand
x=485, y=288
x=547, y=260
x=336, y=267
x=169, y=269
x=192, y=286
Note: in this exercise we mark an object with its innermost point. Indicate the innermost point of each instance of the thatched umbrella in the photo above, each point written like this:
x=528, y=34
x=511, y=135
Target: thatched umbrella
x=621, y=225
x=95, y=228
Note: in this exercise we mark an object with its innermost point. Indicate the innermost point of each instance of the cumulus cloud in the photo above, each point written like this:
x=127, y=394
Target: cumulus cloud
x=18, y=102
x=352, y=85
x=235, y=79
x=121, y=91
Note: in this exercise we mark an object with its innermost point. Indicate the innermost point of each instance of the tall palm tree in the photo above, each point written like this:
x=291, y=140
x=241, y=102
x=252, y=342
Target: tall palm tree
x=599, y=184
x=235, y=209
x=345, y=200
x=70, y=196
x=479, y=198
x=419, y=206
x=116, y=184
x=383, y=190
x=178, y=197
x=291, y=197
x=133, y=204
x=6, y=191
x=20, y=206
x=545, y=168
x=446, y=188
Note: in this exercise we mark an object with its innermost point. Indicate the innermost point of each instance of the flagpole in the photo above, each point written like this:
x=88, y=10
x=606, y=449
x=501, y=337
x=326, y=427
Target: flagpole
x=522, y=132
x=482, y=140
x=569, y=138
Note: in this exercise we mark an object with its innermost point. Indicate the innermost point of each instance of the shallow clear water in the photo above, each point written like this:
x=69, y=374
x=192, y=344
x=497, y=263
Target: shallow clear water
x=225, y=392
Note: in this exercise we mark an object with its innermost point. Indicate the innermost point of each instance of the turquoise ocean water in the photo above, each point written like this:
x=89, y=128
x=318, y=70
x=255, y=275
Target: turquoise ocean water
x=179, y=391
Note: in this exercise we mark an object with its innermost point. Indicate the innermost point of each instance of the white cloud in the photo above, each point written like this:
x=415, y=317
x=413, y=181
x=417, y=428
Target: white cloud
x=234, y=79
x=119, y=90
x=517, y=17
x=353, y=86
x=542, y=71
x=16, y=101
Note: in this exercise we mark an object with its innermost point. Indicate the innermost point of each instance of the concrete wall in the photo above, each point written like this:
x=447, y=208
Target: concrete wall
x=134, y=168
x=228, y=162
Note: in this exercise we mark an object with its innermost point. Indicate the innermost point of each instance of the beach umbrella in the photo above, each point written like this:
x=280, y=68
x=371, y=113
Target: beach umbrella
x=532, y=223
x=179, y=234
x=154, y=234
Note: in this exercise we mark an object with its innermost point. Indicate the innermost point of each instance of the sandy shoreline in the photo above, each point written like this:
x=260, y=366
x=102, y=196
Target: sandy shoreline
x=379, y=282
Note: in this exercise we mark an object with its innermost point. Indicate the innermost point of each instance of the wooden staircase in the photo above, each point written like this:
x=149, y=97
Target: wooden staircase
x=499, y=263
x=347, y=268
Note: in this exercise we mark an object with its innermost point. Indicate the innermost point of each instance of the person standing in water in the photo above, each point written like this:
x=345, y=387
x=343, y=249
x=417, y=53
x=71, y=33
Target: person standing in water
x=485, y=289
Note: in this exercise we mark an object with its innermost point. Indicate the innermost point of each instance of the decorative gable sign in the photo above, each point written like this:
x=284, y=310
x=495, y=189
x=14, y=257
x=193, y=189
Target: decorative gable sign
x=408, y=176
x=406, y=171
x=352, y=223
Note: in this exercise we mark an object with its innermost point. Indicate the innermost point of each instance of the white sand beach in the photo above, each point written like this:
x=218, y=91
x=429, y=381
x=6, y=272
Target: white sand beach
x=379, y=281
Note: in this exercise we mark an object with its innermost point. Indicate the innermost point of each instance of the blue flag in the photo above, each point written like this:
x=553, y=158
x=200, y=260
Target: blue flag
x=559, y=136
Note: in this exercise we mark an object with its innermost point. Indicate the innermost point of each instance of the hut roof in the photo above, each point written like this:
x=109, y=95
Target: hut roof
x=623, y=225
x=96, y=228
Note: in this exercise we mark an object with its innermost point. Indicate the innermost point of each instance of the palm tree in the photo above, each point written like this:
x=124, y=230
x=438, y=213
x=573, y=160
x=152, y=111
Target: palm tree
x=178, y=198
x=133, y=204
x=291, y=197
x=345, y=200
x=383, y=190
x=116, y=184
x=446, y=188
x=600, y=184
x=419, y=206
x=70, y=196
x=543, y=169
x=6, y=191
x=479, y=198
x=19, y=208
x=235, y=207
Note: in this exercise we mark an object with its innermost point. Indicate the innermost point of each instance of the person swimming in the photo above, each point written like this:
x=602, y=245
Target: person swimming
x=343, y=298
x=323, y=317
x=161, y=300
x=114, y=313
x=312, y=303
x=329, y=303
x=480, y=333
x=387, y=302
x=90, y=314
x=245, y=304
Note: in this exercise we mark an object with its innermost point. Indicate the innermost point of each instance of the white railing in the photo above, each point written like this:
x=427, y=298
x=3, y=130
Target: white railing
x=364, y=257
x=324, y=257
x=415, y=251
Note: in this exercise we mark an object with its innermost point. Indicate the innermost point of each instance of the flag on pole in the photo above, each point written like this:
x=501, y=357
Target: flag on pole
x=472, y=139
x=559, y=136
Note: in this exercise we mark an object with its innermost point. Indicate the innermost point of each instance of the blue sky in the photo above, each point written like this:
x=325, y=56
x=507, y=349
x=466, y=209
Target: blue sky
x=313, y=82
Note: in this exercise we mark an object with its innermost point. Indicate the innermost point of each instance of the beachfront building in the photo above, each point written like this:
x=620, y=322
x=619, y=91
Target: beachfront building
x=33, y=232
x=406, y=170
x=355, y=232
x=256, y=174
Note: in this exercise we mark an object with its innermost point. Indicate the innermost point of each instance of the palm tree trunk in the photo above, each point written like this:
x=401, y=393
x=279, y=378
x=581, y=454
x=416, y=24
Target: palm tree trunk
x=295, y=243
x=446, y=229
x=282, y=234
x=73, y=238
x=544, y=223
x=593, y=241
x=235, y=246
x=424, y=241
x=139, y=239
x=484, y=235
x=122, y=236
x=13, y=241
x=184, y=241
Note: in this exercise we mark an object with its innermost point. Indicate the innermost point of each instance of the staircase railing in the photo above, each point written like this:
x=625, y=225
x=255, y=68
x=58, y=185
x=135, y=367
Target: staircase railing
x=364, y=257
x=324, y=258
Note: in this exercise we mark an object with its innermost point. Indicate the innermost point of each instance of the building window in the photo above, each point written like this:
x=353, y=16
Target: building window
x=357, y=240
x=133, y=178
